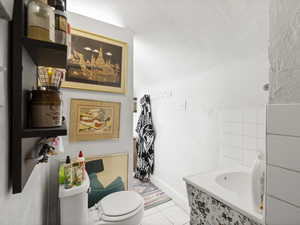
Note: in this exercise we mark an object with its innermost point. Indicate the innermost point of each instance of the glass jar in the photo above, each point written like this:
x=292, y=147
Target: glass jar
x=41, y=21
x=60, y=22
x=46, y=109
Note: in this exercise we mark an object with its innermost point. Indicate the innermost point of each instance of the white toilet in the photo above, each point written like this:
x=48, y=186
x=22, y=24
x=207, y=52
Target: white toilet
x=120, y=208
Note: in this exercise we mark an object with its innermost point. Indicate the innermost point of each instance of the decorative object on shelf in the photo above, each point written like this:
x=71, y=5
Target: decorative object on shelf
x=57, y=144
x=40, y=21
x=108, y=174
x=94, y=120
x=49, y=147
x=60, y=21
x=6, y=9
x=97, y=63
x=46, y=110
x=49, y=77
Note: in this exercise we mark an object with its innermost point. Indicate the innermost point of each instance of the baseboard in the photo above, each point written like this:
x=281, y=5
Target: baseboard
x=178, y=198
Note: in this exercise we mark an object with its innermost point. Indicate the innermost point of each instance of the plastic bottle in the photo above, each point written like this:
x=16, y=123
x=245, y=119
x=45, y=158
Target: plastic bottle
x=81, y=161
x=258, y=183
x=77, y=173
x=68, y=175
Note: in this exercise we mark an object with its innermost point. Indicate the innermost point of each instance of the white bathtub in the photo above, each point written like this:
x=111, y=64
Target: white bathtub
x=230, y=186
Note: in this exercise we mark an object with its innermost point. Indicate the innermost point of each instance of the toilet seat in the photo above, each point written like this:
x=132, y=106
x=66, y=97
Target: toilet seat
x=121, y=203
x=119, y=207
x=122, y=218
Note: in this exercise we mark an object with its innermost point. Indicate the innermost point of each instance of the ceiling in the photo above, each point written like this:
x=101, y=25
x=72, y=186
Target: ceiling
x=179, y=38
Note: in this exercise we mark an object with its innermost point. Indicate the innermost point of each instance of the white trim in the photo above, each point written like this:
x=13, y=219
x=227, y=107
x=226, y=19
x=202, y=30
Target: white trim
x=178, y=198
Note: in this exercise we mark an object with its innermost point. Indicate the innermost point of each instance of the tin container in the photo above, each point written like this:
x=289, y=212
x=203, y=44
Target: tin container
x=46, y=109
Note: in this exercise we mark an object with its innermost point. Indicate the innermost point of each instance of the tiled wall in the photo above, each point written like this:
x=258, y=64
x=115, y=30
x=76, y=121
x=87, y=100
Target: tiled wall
x=242, y=133
x=283, y=170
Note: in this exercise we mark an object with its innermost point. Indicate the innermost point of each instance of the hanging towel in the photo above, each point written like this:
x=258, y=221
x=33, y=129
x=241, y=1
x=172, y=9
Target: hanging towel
x=146, y=137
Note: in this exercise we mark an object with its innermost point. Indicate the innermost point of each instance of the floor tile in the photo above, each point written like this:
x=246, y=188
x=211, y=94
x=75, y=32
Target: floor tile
x=156, y=219
x=151, y=211
x=165, y=205
x=175, y=214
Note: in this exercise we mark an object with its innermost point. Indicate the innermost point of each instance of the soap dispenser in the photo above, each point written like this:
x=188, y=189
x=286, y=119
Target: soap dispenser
x=258, y=183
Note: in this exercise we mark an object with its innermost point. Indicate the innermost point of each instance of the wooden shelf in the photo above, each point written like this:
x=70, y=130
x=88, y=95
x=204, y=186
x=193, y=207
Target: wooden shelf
x=26, y=55
x=45, y=53
x=45, y=132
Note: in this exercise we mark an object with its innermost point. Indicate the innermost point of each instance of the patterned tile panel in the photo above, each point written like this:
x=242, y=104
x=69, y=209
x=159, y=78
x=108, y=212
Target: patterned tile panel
x=206, y=210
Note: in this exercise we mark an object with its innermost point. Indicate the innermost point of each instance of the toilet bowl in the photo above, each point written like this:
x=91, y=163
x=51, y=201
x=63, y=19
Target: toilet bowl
x=120, y=208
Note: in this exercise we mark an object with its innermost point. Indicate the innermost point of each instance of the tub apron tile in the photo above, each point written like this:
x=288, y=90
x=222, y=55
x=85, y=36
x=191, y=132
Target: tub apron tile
x=206, y=210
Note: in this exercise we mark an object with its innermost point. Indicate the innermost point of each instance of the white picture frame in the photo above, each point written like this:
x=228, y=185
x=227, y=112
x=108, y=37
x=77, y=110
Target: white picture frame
x=6, y=9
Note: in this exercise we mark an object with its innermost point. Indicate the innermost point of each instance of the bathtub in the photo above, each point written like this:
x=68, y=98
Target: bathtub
x=231, y=187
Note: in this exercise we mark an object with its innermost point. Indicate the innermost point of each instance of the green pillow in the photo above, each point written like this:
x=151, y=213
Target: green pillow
x=116, y=184
x=95, y=195
x=94, y=182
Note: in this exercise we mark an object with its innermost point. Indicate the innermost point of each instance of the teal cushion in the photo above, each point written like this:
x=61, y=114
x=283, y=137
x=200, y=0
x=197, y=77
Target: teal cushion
x=96, y=194
x=116, y=184
x=94, y=181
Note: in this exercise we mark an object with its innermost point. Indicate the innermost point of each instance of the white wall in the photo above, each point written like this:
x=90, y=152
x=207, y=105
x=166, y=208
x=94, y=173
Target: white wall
x=102, y=147
x=284, y=51
x=212, y=118
x=124, y=143
x=29, y=207
x=215, y=120
x=32, y=207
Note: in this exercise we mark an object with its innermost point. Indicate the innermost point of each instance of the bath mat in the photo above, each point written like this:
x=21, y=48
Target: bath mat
x=152, y=195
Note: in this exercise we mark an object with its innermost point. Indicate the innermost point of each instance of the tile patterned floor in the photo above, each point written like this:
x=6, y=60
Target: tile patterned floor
x=166, y=214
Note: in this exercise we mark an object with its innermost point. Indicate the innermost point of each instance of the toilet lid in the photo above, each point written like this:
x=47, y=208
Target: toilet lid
x=121, y=203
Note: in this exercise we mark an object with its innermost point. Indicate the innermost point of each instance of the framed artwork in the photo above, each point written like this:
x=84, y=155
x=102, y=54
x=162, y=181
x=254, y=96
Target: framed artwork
x=109, y=168
x=96, y=63
x=93, y=120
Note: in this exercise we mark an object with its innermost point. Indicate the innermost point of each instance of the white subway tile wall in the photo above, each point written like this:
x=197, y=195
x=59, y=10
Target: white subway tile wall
x=243, y=135
x=283, y=177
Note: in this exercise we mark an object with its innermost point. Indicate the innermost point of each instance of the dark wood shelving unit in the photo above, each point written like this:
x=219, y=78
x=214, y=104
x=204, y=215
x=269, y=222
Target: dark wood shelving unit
x=26, y=55
x=45, y=132
x=46, y=53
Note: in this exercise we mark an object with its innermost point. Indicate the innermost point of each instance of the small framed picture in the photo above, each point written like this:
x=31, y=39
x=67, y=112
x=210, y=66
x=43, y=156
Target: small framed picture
x=94, y=120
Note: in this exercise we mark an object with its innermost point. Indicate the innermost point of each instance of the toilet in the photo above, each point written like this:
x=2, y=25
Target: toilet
x=120, y=208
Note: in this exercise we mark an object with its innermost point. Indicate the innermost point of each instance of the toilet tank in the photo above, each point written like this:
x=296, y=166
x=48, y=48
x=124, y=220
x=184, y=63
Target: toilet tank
x=74, y=204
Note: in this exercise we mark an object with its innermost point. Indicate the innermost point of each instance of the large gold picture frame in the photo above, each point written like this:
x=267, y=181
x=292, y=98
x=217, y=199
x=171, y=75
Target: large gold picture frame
x=114, y=166
x=97, y=63
x=94, y=120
